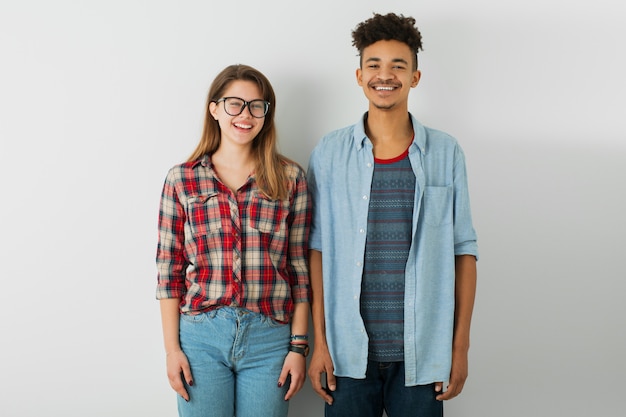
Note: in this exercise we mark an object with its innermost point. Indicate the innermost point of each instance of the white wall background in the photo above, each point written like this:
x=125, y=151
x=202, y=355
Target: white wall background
x=99, y=98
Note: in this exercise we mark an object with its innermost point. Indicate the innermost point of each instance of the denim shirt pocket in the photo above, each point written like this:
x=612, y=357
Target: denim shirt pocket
x=203, y=214
x=438, y=205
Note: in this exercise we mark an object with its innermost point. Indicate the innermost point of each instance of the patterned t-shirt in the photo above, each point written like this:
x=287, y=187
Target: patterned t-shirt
x=386, y=252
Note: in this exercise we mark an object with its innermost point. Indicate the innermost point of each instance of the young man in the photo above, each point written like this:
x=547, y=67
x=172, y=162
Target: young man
x=393, y=250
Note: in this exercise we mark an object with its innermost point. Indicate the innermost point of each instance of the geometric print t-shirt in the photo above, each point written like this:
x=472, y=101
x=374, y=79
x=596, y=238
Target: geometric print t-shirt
x=389, y=225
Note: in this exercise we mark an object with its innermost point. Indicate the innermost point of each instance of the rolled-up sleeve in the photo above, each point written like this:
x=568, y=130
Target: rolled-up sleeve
x=464, y=234
x=299, y=227
x=170, y=258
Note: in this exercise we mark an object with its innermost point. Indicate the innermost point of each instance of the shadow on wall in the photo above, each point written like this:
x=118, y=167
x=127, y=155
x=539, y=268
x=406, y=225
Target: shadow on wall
x=551, y=226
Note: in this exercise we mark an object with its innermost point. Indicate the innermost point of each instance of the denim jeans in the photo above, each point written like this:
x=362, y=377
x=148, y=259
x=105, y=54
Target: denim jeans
x=236, y=357
x=383, y=389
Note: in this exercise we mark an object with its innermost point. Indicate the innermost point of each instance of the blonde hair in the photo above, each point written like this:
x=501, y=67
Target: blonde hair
x=269, y=164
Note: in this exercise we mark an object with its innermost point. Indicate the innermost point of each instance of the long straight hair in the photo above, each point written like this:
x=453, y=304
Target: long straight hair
x=269, y=164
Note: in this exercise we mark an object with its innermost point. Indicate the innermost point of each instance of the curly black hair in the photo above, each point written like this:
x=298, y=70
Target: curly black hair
x=388, y=27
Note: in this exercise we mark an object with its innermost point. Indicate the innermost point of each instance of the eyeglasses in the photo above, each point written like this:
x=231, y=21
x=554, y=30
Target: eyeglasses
x=235, y=105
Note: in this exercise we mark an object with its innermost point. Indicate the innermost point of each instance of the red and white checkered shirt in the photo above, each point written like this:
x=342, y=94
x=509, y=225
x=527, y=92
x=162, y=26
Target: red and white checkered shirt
x=220, y=248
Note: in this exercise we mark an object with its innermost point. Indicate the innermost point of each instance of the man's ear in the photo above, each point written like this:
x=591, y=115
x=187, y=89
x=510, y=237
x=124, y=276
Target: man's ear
x=417, y=75
x=359, y=76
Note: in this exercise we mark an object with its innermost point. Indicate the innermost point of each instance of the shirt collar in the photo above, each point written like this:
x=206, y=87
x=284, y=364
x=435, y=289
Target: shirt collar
x=419, y=132
x=205, y=160
x=360, y=138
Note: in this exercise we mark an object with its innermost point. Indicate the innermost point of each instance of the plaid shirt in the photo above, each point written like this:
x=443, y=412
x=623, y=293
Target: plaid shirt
x=219, y=248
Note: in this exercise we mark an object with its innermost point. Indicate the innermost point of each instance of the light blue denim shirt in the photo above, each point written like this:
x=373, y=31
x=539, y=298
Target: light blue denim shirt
x=340, y=177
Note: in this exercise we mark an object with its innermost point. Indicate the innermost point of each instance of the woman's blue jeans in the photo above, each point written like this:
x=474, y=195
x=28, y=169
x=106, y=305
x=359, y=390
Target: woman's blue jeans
x=383, y=389
x=236, y=357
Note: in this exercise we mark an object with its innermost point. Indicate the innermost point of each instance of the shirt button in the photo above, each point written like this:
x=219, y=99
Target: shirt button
x=364, y=197
x=358, y=264
x=361, y=230
x=369, y=164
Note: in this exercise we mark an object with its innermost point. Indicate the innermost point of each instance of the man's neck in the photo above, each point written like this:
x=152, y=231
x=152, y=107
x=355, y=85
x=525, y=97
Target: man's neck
x=391, y=132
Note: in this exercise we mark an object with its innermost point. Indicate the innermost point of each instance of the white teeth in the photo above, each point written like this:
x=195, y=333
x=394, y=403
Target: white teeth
x=384, y=88
x=242, y=126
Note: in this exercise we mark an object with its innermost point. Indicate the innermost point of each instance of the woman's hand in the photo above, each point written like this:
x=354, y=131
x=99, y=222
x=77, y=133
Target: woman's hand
x=294, y=366
x=177, y=369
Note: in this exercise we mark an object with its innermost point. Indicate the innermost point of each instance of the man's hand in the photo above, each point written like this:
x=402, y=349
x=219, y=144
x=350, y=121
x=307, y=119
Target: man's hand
x=320, y=364
x=458, y=375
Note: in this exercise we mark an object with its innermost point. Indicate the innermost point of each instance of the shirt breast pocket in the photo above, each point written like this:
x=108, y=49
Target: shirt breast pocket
x=268, y=216
x=203, y=214
x=438, y=206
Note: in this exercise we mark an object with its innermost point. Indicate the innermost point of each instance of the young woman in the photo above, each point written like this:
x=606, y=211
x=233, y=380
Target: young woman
x=232, y=274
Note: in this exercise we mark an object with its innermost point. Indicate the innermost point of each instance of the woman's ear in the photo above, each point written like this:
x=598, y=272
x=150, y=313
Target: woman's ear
x=213, y=109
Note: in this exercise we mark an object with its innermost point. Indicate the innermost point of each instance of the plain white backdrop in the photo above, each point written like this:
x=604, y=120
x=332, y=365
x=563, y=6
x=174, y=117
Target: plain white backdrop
x=99, y=98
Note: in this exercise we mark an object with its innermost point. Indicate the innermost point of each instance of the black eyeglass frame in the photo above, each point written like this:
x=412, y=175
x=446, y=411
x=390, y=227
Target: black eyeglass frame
x=266, y=105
